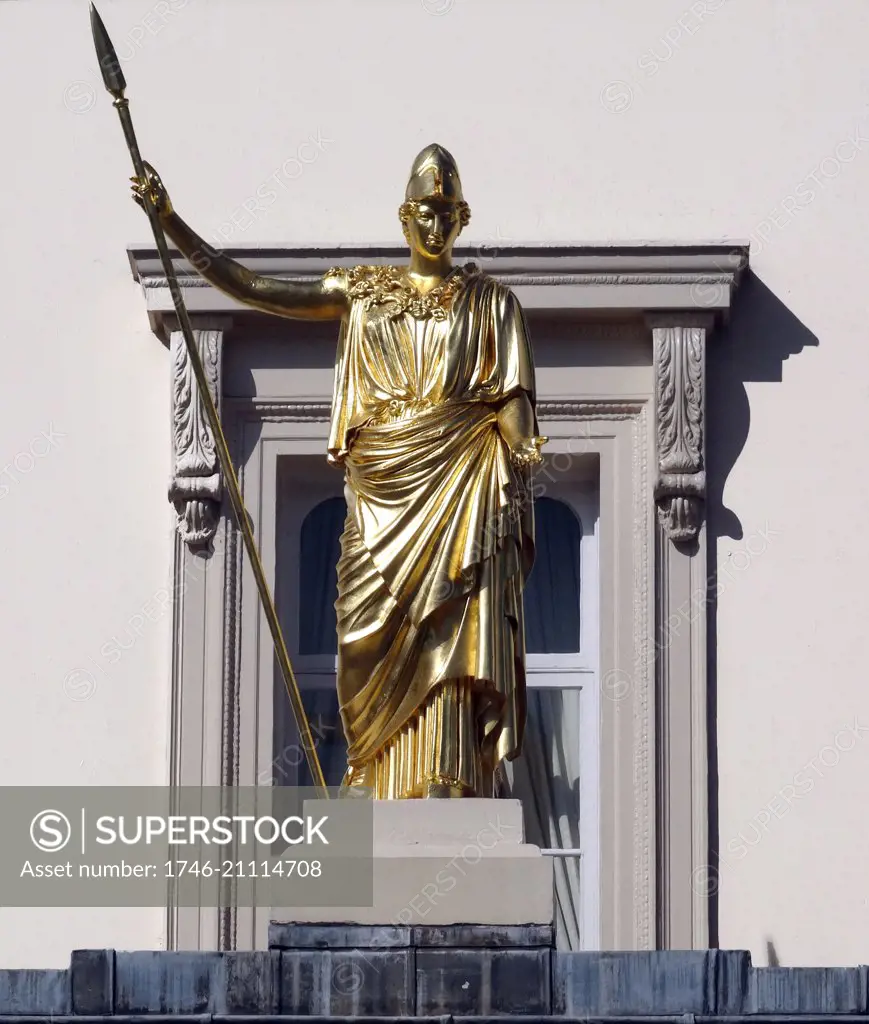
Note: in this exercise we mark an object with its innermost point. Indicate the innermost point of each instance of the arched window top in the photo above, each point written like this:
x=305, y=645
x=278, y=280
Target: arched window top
x=552, y=595
x=328, y=508
x=319, y=550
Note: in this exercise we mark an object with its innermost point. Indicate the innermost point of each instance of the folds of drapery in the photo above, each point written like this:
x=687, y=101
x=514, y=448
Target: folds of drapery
x=481, y=353
x=439, y=751
x=439, y=536
x=430, y=578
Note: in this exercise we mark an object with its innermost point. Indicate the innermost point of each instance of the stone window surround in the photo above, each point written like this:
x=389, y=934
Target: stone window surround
x=654, y=756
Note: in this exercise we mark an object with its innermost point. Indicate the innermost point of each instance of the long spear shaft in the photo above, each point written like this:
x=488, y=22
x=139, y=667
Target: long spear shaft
x=114, y=81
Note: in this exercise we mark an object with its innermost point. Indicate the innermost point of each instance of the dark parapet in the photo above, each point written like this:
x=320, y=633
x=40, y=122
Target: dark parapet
x=34, y=992
x=194, y=983
x=633, y=984
x=92, y=981
x=801, y=990
x=456, y=974
x=347, y=982
x=483, y=981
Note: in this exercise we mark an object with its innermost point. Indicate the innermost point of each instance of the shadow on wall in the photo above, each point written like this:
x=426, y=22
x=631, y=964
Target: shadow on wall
x=753, y=347
x=761, y=335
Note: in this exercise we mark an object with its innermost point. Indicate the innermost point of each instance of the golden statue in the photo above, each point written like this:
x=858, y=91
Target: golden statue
x=433, y=423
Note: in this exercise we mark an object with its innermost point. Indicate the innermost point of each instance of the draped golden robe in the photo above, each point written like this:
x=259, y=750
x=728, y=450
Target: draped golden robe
x=438, y=539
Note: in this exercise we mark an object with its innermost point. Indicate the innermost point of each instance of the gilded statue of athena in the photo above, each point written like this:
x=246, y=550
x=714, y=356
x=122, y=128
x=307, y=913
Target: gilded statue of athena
x=434, y=426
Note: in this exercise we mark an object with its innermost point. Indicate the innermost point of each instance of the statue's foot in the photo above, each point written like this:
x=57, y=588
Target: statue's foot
x=442, y=791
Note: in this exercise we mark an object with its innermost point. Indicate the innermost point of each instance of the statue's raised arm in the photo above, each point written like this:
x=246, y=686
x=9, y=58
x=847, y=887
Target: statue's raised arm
x=325, y=299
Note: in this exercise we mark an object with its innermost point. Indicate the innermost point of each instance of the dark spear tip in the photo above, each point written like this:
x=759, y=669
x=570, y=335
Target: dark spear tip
x=113, y=77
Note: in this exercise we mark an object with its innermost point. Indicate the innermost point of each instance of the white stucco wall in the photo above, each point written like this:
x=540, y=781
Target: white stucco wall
x=585, y=121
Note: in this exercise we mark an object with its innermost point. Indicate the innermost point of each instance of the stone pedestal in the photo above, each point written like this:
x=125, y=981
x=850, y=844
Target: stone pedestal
x=445, y=862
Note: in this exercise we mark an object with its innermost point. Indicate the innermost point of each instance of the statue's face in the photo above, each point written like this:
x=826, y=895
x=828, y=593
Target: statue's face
x=434, y=227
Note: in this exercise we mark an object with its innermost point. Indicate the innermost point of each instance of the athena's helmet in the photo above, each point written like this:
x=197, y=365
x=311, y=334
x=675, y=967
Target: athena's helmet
x=434, y=175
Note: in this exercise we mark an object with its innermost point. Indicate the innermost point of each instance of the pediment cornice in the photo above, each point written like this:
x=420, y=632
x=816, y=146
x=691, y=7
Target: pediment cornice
x=588, y=279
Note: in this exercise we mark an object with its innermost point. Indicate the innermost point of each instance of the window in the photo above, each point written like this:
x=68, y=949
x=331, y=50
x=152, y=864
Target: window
x=552, y=610
x=311, y=514
x=319, y=550
x=557, y=775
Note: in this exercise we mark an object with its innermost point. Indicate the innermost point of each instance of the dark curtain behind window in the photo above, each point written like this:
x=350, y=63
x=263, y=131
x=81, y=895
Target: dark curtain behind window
x=319, y=550
x=552, y=591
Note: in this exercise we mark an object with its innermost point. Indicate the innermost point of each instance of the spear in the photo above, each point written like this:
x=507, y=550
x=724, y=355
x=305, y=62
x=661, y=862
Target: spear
x=113, y=79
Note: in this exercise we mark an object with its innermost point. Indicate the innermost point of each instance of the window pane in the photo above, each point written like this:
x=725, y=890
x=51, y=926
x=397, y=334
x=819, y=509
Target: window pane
x=552, y=593
x=321, y=707
x=318, y=576
x=546, y=779
x=290, y=766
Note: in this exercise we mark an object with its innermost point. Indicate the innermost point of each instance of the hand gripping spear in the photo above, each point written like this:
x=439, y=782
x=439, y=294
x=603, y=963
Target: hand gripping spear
x=114, y=81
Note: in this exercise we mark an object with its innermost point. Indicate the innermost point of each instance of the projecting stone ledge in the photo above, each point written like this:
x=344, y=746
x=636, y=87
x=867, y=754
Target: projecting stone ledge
x=340, y=972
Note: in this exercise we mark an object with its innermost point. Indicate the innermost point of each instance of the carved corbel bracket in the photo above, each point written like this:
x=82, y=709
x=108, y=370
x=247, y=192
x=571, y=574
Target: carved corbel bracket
x=680, y=408
x=196, y=486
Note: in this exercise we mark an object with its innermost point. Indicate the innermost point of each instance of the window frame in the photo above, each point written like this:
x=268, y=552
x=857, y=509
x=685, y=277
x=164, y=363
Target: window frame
x=581, y=672
x=580, y=492
x=580, y=668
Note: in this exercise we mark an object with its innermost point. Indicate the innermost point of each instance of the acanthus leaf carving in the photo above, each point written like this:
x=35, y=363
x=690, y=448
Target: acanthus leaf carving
x=196, y=486
x=680, y=489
